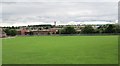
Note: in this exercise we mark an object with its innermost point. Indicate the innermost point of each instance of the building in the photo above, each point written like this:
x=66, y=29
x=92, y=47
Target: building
x=24, y=31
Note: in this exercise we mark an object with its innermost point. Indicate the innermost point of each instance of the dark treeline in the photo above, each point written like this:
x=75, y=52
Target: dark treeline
x=13, y=27
x=89, y=29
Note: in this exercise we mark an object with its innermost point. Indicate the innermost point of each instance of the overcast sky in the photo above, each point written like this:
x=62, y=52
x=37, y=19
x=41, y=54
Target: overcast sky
x=60, y=0
x=24, y=12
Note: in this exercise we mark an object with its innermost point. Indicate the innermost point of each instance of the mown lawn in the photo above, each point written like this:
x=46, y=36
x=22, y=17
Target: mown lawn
x=61, y=50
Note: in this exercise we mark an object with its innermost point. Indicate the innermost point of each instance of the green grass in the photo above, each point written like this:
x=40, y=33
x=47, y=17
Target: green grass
x=61, y=50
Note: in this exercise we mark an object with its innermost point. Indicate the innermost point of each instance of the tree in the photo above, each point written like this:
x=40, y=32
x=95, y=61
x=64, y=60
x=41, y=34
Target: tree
x=7, y=31
x=110, y=29
x=10, y=32
x=12, y=27
x=58, y=32
x=101, y=29
x=68, y=30
x=96, y=31
x=117, y=28
x=13, y=32
x=87, y=29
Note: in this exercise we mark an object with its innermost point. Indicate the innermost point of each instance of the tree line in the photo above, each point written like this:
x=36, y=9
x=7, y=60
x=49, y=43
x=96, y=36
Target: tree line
x=89, y=29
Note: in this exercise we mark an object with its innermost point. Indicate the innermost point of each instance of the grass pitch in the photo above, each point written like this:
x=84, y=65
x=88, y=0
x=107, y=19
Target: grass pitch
x=61, y=50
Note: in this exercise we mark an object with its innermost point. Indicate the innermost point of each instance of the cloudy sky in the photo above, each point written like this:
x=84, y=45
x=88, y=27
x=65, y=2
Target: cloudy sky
x=28, y=12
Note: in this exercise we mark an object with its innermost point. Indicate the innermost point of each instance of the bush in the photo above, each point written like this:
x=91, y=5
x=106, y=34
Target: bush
x=10, y=32
x=117, y=28
x=13, y=32
x=68, y=30
x=110, y=29
x=7, y=31
x=87, y=29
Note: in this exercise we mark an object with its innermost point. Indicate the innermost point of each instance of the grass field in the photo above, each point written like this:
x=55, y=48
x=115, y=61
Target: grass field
x=61, y=50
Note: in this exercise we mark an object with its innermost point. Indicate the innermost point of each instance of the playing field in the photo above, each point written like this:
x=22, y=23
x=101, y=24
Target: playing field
x=61, y=50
